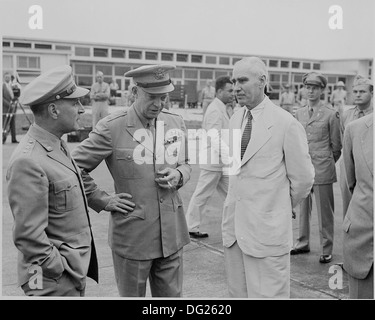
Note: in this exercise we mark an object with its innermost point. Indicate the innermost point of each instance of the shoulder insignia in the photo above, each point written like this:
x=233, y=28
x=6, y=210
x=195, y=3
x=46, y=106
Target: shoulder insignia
x=29, y=146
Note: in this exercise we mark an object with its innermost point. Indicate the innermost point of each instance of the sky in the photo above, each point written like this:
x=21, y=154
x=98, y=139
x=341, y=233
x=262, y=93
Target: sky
x=290, y=28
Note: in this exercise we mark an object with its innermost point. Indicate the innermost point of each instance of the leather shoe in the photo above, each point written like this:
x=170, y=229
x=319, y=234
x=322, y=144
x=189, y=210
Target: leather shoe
x=15, y=141
x=325, y=258
x=198, y=234
x=299, y=251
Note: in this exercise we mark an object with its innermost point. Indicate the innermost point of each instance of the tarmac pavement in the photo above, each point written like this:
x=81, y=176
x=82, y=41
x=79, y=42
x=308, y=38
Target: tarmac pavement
x=204, y=274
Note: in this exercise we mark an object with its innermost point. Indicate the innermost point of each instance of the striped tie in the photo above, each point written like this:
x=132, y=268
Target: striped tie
x=246, y=134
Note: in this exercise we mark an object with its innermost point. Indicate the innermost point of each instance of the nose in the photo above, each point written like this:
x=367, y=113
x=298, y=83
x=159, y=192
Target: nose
x=81, y=108
x=158, y=102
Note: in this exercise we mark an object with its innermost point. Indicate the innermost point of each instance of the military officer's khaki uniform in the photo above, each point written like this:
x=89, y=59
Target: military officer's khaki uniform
x=323, y=136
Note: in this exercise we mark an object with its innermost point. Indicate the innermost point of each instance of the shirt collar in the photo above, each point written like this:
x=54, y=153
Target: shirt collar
x=366, y=111
x=257, y=111
x=145, y=122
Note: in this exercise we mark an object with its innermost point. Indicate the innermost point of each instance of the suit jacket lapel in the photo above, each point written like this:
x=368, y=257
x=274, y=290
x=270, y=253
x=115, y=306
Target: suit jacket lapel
x=367, y=144
x=259, y=134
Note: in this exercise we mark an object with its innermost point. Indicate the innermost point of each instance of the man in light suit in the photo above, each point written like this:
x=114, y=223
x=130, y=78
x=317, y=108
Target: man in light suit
x=211, y=174
x=358, y=225
x=145, y=149
x=322, y=125
x=363, y=93
x=52, y=230
x=272, y=173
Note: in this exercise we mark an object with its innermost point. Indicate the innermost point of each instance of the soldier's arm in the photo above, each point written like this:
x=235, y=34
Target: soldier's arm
x=88, y=155
x=28, y=194
x=335, y=135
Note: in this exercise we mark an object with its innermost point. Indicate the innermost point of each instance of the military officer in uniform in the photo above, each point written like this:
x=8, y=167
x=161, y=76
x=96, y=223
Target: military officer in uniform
x=322, y=125
x=145, y=150
x=52, y=230
x=363, y=105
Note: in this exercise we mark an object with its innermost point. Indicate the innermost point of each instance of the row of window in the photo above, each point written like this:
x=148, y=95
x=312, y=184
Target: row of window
x=83, y=51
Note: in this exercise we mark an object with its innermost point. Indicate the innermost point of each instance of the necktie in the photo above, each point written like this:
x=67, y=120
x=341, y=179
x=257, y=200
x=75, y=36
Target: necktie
x=246, y=134
x=64, y=148
x=311, y=111
x=360, y=114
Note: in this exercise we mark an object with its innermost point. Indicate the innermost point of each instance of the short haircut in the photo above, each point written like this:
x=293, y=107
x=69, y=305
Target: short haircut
x=40, y=109
x=221, y=82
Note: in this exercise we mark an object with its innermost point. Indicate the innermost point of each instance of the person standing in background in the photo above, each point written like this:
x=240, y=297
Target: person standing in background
x=322, y=125
x=8, y=97
x=338, y=97
x=358, y=225
x=287, y=99
x=208, y=95
x=99, y=95
x=211, y=176
x=363, y=105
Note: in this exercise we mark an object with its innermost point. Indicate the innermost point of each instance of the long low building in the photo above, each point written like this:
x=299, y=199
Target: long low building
x=27, y=58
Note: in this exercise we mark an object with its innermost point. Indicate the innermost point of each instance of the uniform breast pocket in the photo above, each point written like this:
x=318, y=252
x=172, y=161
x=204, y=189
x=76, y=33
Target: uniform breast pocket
x=127, y=166
x=318, y=129
x=67, y=194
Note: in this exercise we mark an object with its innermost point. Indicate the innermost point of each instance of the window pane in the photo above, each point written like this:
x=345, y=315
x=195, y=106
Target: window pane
x=84, y=81
x=192, y=74
x=58, y=47
x=206, y=74
x=6, y=44
x=22, y=62
x=165, y=56
x=285, y=78
x=275, y=77
x=211, y=59
x=295, y=64
x=120, y=70
x=100, y=52
x=34, y=62
x=316, y=66
x=177, y=73
x=274, y=63
x=220, y=73
x=306, y=65
x=43, y=46
x=284, y=64
x=83, y=69
x=22, y=45
x=118, y=53
x=82, y=51
x=224, y=60
x=135, y=54
x=182, y=57
x=196, y=58
x=151, y=55
x=298, y=77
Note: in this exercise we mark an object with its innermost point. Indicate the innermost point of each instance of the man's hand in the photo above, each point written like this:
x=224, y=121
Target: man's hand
x=168, y=178
x=119, y=202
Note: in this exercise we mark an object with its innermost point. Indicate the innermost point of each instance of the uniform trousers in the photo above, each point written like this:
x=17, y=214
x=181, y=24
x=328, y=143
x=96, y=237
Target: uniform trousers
x=208, y=182
x=164, y=274
x=100, y=110
x=252, y=277
x=61, y=287
x=362, y=288
x=325, y=208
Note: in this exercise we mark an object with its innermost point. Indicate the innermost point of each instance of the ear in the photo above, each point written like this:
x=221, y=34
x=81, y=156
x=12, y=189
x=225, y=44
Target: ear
x=53, y=111
x=263, y=80
x=135, y=91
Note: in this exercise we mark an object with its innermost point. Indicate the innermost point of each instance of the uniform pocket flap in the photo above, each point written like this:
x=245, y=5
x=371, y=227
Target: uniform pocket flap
x=64, y=185
x=124, y=154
